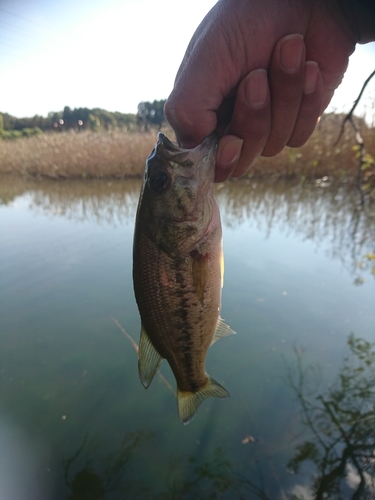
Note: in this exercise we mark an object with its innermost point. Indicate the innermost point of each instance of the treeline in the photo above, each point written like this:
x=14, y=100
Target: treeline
x=149, y=114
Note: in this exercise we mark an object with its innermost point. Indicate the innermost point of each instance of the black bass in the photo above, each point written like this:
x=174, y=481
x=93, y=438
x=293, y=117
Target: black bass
x=178, y=269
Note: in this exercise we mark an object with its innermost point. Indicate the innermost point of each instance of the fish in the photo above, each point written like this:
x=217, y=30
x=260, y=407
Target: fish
x=178, y=269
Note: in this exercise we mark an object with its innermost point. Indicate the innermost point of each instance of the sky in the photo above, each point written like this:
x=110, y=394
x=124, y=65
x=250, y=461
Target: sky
x=110, y=54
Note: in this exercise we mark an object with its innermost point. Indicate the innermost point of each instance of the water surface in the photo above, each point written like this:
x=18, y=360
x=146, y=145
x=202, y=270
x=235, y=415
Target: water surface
x=74, y=416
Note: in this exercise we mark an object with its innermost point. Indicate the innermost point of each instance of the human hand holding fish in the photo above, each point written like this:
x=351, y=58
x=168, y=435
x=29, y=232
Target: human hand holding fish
x=261, y=72
x=178, y=269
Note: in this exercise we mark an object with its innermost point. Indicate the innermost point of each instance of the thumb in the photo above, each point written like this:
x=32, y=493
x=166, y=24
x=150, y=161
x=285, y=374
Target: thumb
x=190, y=118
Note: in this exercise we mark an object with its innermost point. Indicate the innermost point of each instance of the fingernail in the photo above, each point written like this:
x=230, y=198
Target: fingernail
x=311, y=77
x=291, y=52
x=230, y=152
x=256, y=88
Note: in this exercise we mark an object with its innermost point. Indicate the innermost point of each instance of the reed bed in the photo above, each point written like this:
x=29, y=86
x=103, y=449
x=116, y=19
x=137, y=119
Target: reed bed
x=122, y=154
x=321, y=156
x=112, y=154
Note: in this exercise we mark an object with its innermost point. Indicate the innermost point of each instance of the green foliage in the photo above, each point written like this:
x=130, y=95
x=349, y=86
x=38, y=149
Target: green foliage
x=126, y=120
x=16, y=134
x=11, y=134
x=69, y=119
x=93, y=122
x=28, y=132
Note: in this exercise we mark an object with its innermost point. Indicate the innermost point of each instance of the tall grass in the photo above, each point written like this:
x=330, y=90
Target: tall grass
x=85, y=154
x=320, y=156
x=120, y=154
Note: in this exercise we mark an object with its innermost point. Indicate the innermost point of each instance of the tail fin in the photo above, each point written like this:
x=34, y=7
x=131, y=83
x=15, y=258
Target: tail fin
x=188, y=402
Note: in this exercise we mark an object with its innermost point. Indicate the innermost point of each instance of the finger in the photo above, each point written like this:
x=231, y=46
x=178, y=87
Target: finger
x=251, y=122
x=228, y=153
x=286, y=85
x=311, y=105
x=189, y=118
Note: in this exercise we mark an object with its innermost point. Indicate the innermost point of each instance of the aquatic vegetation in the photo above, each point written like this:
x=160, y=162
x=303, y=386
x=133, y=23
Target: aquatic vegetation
x=119, y=153
x=108, y=154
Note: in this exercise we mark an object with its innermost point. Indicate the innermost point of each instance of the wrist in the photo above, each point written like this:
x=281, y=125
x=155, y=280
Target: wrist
x=360, y=16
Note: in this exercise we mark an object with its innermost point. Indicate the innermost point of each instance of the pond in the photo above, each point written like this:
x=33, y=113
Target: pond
x=75, y=421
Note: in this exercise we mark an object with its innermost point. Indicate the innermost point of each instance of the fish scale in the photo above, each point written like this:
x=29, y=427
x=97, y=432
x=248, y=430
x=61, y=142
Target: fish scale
x=173, y=334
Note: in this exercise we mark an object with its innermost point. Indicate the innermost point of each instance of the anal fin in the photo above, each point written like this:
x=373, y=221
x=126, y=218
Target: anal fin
x=149, y=360
x=222, y=330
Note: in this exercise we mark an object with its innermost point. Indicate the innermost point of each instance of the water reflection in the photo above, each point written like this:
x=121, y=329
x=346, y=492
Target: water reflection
x=330, y=216
x=90, y=200
x=339, y=451
x=341, y=421
x=210, y=479
x=106, y=477
x=90, y=476
x=69, y=381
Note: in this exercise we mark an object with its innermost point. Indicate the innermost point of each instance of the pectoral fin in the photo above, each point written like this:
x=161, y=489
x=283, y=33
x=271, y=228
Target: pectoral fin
x=188, y=402
x=222, y=330
x=149, y=360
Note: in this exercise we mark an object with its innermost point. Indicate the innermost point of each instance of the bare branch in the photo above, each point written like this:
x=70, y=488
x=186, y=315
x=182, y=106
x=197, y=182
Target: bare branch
x=348, y=117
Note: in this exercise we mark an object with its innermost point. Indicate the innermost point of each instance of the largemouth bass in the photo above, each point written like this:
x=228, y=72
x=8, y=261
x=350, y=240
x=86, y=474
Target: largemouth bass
x=178, y=269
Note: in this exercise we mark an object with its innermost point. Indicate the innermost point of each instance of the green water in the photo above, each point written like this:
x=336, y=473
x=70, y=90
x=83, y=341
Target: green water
x=75, y=421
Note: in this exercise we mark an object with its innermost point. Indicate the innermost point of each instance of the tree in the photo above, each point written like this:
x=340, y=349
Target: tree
x=68, y=118
x=151, y=113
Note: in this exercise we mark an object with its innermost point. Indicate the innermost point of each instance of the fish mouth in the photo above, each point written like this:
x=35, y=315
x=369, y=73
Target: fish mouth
x=168, y=144
x=207, y=144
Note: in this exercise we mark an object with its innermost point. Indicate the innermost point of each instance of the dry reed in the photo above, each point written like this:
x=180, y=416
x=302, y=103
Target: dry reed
x=85, y=154
x=320, y=156
x=120, y=154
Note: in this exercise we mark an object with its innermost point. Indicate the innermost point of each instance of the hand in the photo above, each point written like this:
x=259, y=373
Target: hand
x=261, y=88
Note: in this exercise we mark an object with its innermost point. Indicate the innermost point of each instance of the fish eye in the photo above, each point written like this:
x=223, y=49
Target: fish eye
x=159, y=182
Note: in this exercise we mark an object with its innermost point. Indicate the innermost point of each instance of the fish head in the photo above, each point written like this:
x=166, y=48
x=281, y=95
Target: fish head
x=177, y=201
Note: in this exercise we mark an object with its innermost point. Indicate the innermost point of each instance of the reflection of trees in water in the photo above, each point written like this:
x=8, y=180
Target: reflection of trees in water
x=329, y=216
x=102, y=202
x=340, y=450
x=342, y=425
x=99, y=475
x=109, y=202
x=90, y=476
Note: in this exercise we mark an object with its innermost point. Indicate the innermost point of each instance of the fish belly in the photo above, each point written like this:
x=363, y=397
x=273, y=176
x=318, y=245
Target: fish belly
x=179, y=311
